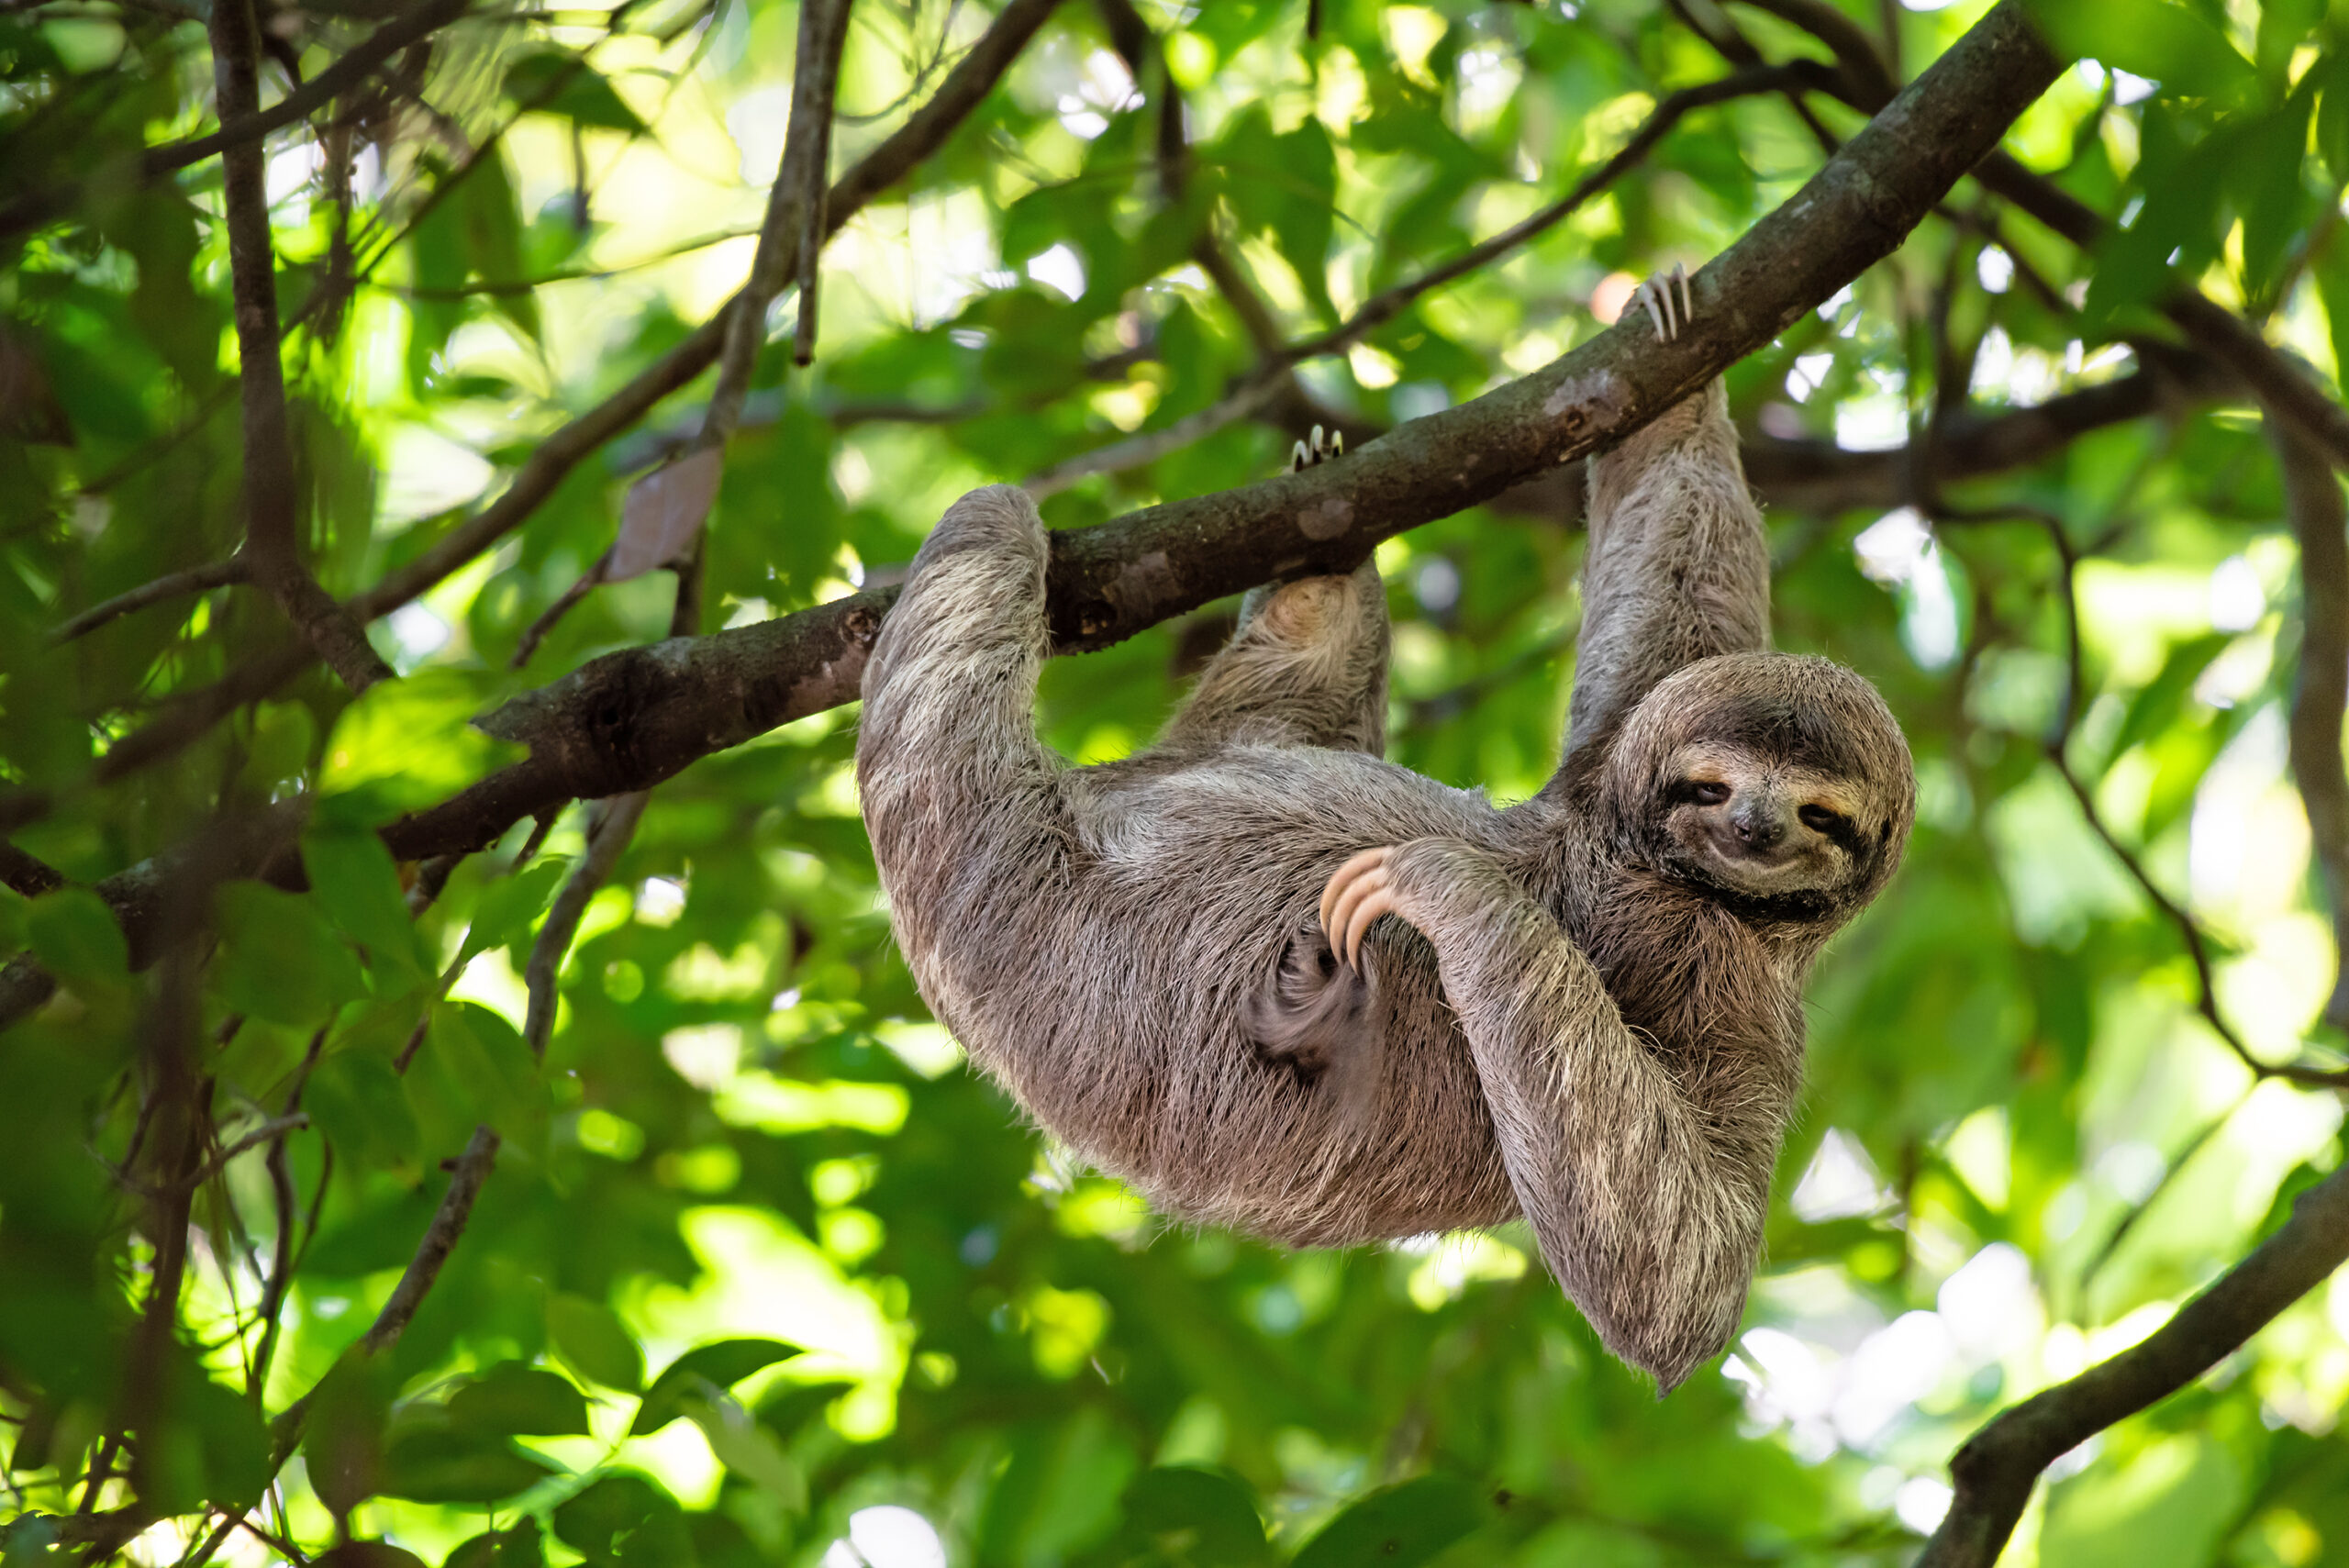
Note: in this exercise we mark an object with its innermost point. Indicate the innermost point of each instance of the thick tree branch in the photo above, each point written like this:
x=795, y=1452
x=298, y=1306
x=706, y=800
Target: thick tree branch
x=1996, y=1469
x=2321, y=685
x=273, y=507
x=630, y=720
x=26, y=875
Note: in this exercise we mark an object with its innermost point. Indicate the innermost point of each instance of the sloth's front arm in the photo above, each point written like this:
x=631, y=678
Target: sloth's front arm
x=1650, y=1220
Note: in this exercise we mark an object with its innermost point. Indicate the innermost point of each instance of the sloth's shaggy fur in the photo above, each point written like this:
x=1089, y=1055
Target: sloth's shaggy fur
x=1579, y=1016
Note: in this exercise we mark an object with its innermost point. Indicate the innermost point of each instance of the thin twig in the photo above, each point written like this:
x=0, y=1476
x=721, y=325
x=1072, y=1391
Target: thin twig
x=2171, y=1171
x=2312, y=501
x=2000, y=1465
x=2189, y=930
x=807, y=151
x=612, y=823
x=272, y=498
x=1148, y=446
x=195, y=580
x=268, y=1131
x=472, y=1168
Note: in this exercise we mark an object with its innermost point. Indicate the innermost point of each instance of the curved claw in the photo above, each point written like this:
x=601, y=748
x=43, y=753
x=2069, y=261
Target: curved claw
x=1358, y=892
x=1319, y=449
x=1655, y=296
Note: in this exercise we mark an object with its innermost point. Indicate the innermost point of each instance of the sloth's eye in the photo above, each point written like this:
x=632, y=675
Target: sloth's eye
x=1820, y=819
x=1706, y=792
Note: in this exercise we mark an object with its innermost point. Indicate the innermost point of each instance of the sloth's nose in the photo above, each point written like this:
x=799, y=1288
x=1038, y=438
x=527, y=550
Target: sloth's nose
x=1759, y=829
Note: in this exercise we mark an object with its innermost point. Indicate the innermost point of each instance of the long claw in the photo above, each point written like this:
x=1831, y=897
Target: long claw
x=1360, y=876
x=1688, y=305
x=1299, y=459
x=1379, y=901
x=1656, y=312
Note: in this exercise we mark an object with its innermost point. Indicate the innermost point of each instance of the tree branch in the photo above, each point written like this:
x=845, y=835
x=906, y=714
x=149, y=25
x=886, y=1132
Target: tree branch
x=629, y=719
x=2321, y=685
x=1996, y=1469
x=440, y=1238
x=807, y=149
x=272, y=500
x=195, y=580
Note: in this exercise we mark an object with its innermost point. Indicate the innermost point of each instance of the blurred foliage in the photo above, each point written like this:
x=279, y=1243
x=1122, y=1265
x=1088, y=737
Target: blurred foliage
x=761, y=1274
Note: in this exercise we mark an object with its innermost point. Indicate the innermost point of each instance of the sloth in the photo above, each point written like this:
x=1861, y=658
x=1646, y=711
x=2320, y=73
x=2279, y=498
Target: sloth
x=1284, y=986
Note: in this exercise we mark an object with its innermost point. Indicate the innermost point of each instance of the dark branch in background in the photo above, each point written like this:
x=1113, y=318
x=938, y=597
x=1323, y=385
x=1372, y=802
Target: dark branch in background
x=632, y=718
x=609, y=828
x=1996, y=1469
x=28, y=875
x=2321, y=685
x=808, y=147
x=415, y=24
x=449, y=1222
x=273, y=502
x=195, y=580
x=2209, y=326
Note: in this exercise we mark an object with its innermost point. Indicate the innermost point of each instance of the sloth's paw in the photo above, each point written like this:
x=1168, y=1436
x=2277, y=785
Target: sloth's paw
x=1305, y=454
x=1655, y=296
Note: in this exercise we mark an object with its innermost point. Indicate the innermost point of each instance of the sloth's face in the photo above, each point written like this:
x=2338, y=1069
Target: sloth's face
x=1760, y=825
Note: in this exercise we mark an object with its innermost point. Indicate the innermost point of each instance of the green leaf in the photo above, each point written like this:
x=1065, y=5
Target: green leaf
x=557, y=81
x=1397, y=1527
x=1186, y=1517
x=279, y=960
x=74, y=932
x=625, y=1520
x=506, y=906
x=357, y=884
x=720, y=1364
x=411, y=742
x=592, y=1338
x=512, y=1399
x=2166, y=43
x=439, y=1465
x=519, y=1547
x=360, y=1106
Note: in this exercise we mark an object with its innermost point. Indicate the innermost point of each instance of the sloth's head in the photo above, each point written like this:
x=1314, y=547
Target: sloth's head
x=1778, y=783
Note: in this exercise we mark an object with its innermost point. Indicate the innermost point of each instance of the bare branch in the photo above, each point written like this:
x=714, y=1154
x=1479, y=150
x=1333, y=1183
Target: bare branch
x=28, y=875
x=611, y=826
x=2197, y=946
x=2321, y=685
x=472, y=1168
x=195, y=580
x=807, y=151
x=627, y=720
x=1148, y=446
x=267, y=1132
x=272, y=499
x=1996, y=1469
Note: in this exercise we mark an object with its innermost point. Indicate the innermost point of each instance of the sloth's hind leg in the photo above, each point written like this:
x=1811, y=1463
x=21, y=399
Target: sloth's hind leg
x=1307, y=667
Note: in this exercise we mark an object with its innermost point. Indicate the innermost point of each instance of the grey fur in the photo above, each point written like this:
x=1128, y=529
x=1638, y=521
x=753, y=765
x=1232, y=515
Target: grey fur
x=1589, y=1014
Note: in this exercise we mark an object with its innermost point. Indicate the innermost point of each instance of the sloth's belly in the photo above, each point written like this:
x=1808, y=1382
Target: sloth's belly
x=1118, y=1025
